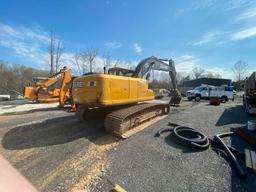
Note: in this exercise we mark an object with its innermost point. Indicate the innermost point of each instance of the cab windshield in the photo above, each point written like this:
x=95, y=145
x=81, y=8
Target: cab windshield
x=198, y=88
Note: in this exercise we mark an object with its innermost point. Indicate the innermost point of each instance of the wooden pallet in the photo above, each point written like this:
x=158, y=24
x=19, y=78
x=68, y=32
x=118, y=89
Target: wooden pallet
x=250, y=160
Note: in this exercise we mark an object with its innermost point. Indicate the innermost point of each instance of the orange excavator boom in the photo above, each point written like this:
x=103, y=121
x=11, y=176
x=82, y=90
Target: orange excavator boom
x=41, y=92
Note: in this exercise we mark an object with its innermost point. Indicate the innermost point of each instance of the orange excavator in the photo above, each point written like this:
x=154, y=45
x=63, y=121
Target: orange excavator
x=56, y=88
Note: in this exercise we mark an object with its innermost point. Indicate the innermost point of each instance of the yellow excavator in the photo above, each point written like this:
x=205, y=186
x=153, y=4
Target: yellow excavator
x=124, y=99
x=56, y=88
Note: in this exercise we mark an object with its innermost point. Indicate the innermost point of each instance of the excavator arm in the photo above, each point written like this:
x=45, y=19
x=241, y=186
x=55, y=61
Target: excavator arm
x=153, y=63
x=53, y=79
x=41, y=93
x=65, y=89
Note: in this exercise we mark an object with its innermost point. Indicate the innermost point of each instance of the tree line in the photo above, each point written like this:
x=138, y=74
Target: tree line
x=239, y=70
x=84, y=61
x=13, y=78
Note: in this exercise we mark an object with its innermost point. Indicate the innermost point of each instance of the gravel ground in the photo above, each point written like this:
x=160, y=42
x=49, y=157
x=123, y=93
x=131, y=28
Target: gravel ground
x=58, y=153
x=146, y=163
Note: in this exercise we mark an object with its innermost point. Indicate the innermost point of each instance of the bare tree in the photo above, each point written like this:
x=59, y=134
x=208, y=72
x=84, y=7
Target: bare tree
x=116, y=63
x=13, y=77
x=55, y=50
x=51, y=53
x=84, y=60
x=106, y=60
x=197, y=72
x=90, y=56
x=80, y=59
x=240, y=69
x=212, y=75
x=58, y=53
x=217, y=75
x=180, y=78
x=76, y=61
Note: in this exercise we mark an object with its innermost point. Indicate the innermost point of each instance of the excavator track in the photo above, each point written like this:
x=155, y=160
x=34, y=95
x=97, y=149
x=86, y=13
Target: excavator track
x=121, y=121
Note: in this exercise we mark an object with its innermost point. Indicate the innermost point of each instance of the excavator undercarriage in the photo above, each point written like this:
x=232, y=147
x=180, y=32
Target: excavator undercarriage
x=119, y=122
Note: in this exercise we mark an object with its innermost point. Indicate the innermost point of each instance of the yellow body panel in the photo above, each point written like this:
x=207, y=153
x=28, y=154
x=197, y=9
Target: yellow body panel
x=108, y=90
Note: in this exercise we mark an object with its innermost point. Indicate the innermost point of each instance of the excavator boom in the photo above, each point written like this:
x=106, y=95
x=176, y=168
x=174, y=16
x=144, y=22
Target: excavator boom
x=153, y=63
x=41, y=91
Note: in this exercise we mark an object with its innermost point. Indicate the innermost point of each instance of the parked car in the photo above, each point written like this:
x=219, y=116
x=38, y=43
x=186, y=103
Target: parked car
x=5, y=97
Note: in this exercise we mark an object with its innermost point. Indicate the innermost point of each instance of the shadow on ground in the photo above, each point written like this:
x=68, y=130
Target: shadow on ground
x=53, y=132
x=247, y=184
x=238, y=184
x=237, y=115
x=233, y=115
x=15, y=102
x=48, y=109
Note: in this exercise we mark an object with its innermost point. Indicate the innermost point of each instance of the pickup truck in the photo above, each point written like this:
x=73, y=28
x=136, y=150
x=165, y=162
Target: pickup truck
x=225, y=93
x=198, y=93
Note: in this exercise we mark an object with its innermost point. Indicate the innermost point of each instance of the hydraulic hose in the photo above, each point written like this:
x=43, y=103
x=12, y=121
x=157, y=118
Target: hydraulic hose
x=187, y=136
x=242, y=173
x=197, y=140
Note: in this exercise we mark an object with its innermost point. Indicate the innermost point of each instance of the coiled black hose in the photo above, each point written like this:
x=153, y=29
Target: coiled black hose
x=187, y=136
x=197, y=140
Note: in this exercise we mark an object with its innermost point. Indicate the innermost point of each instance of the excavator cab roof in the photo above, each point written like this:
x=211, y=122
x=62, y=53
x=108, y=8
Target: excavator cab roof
x=89, y=73
x=120, y=71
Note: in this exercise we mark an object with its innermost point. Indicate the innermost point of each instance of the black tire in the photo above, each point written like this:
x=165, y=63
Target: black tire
x=197, y=98
x=190, y=99
x=224, y=99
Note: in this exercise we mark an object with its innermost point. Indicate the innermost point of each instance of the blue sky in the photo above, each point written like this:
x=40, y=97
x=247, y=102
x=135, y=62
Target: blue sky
x=212, y=34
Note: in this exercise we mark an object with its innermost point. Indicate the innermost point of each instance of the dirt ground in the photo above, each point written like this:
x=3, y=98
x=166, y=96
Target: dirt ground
x=56, y=152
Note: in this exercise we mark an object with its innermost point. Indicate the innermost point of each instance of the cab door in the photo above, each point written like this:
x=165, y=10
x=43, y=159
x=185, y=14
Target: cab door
x=204, y=92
